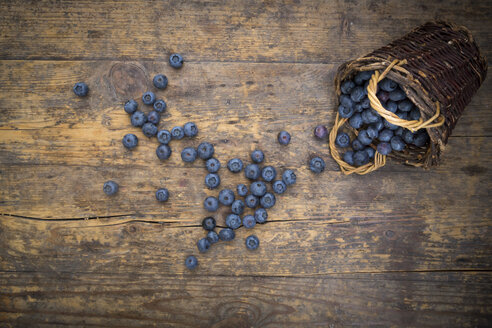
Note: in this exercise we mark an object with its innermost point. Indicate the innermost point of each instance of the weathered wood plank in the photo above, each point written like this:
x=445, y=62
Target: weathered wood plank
x=285, y=31
x=148, y=300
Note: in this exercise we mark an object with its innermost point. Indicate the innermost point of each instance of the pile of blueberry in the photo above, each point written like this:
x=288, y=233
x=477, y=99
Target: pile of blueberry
x=375, y=132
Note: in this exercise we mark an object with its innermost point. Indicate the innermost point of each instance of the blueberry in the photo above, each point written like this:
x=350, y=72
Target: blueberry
x=397, y=143
x=208, y=223
x=110, y=188
x=361, y=157
x=235, y=165
x=398, y=132
x=357, y=94
x=226, y=197
x=257, y=156
x=176, y=60
x=317, y=165
x=356, y=121
x=81, y=89
x=212, y=237
x=364, y=138
x=149, y=129
x=138, y=118
x=162, y=194
x=164, y=137
x=408, y=136
x=397, y=95
x=205, y=150
x=148, y=98
x=211, y=204
x=213, y=165
x=385, y=135
x=389, y=125
x=227, y=234
x=163, y=152
x=348, y=157
x=131, y=106
x=365, y=103
x=347, y=86
x=283, y=137
x=191, y=262
x=212, y=180
x=405, y=105
x=414, y=114
x=261, y=215
x=268, y=200
x=190, y=129
x=391, y=106
x=249, y=221
x=357, y=145
x=421, y=138
x=279, y=187
x=242, y=190
x=402, y=115
x=203, y=245
x=387, y=85
x=320, y=132
x=383, y=96
x=268, y=173
x=252, y=242
x=365, y=87
x=258, y=188
x=188, y=154
x=384, y=148
x=130, y=141
x=358, y=108
x=370, y=152
x=160, y=81
x=251, y=201
x=345, y=112
x=369, y=116
x=177, y=133
x=237, y=207
x=233, y=221
x=252, y=171
x=289, y=177
x=342, y=140
x=372, y=130
x=362, y=76
x=153, y=117
x=346, y=101
x=160, y=106
x=379, y=125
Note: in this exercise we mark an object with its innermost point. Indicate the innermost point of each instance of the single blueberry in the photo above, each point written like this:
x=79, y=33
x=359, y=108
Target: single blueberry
x=212, y=237
x=283, y=137
x=398, y=132
x=347, y=86
x=160, y=106
x=191, y=262
x=320, y=132
x=237, y=207
x=160, y=81
x=348, y=157
x=261, y=215
x=279, y=187
x=258, y=188
x=357, y=94
x=345, y=112
x=177, y=133
x=357, y=145
x=370, y=152
x=153, y=117
x=389, y=125
x=148, y=98
x=131, y=106
x=164, y=137
x=190, y=129
x=384, y=148
x=346, y=101
x=397, y=95
x=405, y=105
x=81, y=89
x=421, y=138
x=213, y=165
x=257, y=156
x=249, y=221
x=203, y=245
x=369, y=116
x=268, y=200
x=252, y=171
x=387, y=85
x=372, y=130
x=149, y=129
x=188, y=154
x=391, y=106
x=414, y=114
x=361, y=157
x=364, y=137
x=212, y=180
x=251, y=201
x=397, y=143
x=356, y=121
x=317, y=165
x=176, y=60
x=211, y=204
x=379, y=125
x=208, y=223
x=235, y=165
x=342, y=139
x=138, y=118
x=242, y=190
x=205, y=150
x=358, y=107
x=110, y=187
x=130, y=141
x=268, y=173
x=383, y=96
x=226, y=197
x=233, y=221
x=289, y=177
x=385, y=135
x=163, y=152
x=162, y=194
x=227, y=234
x=408, y=136
x=362, y=76
x=252, y=242
x=365, y=103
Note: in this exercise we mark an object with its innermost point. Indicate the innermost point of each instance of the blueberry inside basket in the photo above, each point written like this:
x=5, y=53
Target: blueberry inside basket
x=403, y=100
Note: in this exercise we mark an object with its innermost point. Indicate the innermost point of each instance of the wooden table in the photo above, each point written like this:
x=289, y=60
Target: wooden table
x=401, y=247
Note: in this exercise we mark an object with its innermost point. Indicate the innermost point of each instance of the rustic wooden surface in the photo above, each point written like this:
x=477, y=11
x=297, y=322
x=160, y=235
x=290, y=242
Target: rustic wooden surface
x=401, y=247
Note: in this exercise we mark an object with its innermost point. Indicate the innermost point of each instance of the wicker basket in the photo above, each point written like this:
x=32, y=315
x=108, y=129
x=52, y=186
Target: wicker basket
x=439, y=67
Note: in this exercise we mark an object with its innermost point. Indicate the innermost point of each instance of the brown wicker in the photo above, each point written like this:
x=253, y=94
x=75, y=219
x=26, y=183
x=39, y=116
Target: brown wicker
x=440, y=68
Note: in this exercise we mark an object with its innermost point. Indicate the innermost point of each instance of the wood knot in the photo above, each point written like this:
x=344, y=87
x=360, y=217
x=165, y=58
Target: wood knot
x=128, y=81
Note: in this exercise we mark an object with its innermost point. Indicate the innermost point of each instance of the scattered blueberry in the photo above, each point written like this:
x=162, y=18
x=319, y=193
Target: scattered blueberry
x=130, y=141
x=317, y=165
x=208, y=223
x=257, y=156
x=164, y=137
x=162, y=194
x=160, y=106
x=242, y=190
x=397, y=95
x=160, y=81
x=235, y=165
x=205, y=150
x=233, y=221
x=361, y=158
x=252, y=242
x=212, y=180
x=163, y=152
x=213, y=165
x=385, y=135
x=249, y=221
x=261, y=215
x=384, y=148
x=211, y=204
x=356, y=121
x=226, y=197
x=279, y=187
x=227, y=234
x=176, y=60
x=347, y=86
x=237, y=207
x=283, y=137
x=348, y=157
x=110, y=187
x=191, y=262
x=320, y=132
x=153, y=117
x=190, y=129
x=258, y=188
x=387, y=85
x=149, y=129
x=268, y=200
x=252, y=171
x=397, y=143
x=138, y=118
x=131, y=106
x=212, y=237
x=203, y=245
x=268, y=173
x=177, y=133
x=342, y=140
x=188, y=154
x=289, y=177
x=81, y=89
x=251, y=201
x=148, y=98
